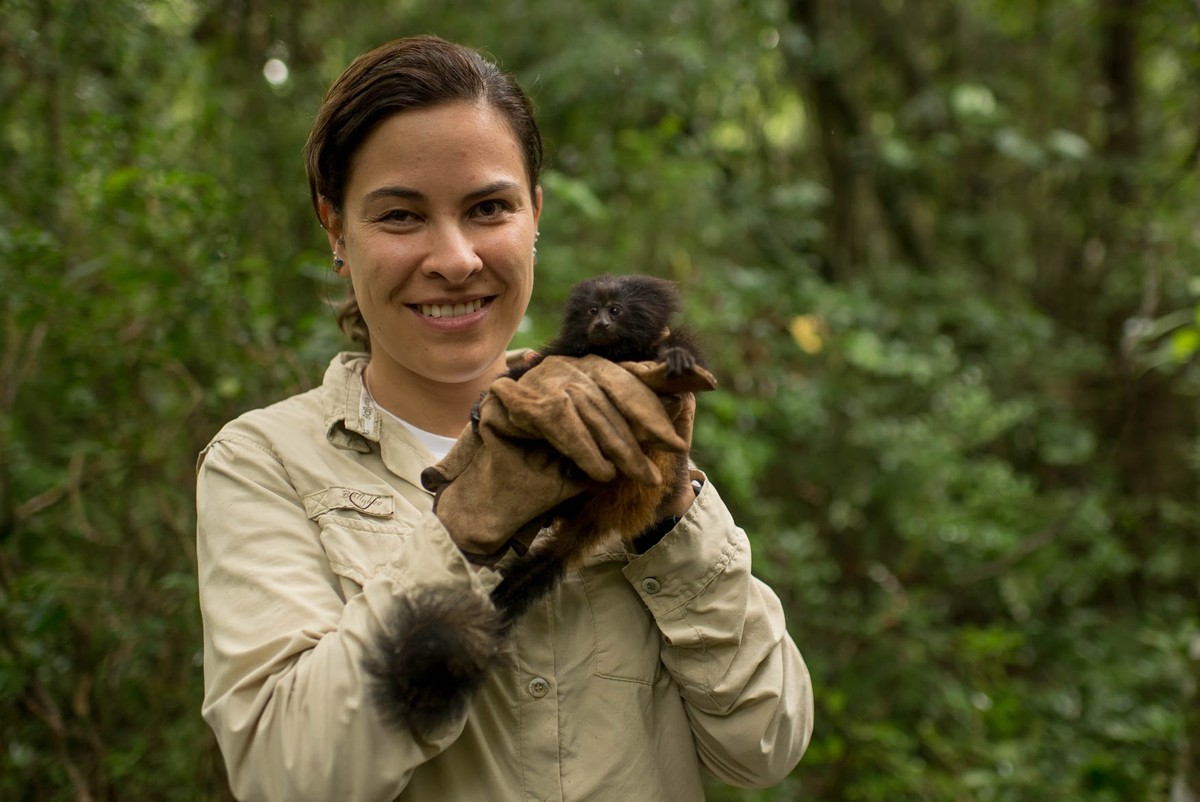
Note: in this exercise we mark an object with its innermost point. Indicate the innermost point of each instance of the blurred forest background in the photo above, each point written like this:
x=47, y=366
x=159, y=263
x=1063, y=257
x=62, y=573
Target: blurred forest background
x=944, y=257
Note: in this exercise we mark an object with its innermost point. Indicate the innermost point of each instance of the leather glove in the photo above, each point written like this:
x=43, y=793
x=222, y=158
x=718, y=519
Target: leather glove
x=600, y=414
x=677, y=394
x=682, y=410
x=519, y=462
x=496, y=483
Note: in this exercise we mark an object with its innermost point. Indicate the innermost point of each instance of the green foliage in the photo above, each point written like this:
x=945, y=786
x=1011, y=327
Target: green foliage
x=942, y=257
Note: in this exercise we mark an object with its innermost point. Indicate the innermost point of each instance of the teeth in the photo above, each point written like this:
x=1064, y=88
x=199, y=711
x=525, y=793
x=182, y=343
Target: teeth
x=446, y=310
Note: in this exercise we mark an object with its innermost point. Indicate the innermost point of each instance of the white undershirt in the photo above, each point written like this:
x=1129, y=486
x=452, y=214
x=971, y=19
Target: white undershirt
x=438, y=445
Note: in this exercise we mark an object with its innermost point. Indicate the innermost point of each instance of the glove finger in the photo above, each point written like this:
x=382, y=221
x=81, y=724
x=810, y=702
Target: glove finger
x=513, y=409
x=611, y=433
x=455, y=461
x=591, y=410
x=548, y=408
x=582, y=426
x=655, y=376
x=572, y=437
x=636, y=402
x=681, y=409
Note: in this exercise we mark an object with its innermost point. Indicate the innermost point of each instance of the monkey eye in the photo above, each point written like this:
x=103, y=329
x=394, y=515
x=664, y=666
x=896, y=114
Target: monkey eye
x=593, y=310
x=614, y=310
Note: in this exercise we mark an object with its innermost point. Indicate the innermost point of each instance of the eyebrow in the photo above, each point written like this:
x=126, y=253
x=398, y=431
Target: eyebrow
x=411, y=194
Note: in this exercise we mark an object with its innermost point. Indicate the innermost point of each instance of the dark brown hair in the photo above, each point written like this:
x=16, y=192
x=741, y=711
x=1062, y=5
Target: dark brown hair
x=409, y=73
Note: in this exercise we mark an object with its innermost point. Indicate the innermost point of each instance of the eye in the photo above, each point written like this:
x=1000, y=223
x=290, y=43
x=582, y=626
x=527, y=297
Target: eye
x=614, y=310
x=593, y=310
x=398, y=216
x=493, y=207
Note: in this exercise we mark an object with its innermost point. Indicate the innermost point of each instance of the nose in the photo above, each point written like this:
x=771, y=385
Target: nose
x=452, y=255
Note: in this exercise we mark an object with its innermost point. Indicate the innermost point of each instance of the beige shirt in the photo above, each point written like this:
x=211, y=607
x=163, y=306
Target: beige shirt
x=632, y=678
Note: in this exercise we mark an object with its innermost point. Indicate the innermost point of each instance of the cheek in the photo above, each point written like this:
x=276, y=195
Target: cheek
x=380, y=261
x=512, y=255
x=525, y=281
x=509, y=245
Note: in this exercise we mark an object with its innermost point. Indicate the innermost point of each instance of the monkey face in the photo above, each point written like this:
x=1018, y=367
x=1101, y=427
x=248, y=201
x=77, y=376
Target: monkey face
x=604, y=327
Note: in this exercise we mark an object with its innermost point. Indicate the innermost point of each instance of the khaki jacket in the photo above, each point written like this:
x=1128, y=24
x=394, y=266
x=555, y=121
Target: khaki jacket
x=639, y=672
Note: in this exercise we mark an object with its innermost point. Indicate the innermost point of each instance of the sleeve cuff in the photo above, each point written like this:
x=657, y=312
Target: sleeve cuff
x=672, y=572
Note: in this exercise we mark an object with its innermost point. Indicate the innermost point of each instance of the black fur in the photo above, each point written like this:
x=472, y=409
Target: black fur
x=621, y=318
x=439, y=647
x=432, y=658
x=529, y=578
x=625, y=319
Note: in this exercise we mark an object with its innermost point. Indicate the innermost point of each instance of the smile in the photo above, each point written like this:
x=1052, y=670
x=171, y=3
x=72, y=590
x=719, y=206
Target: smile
x=450, y=310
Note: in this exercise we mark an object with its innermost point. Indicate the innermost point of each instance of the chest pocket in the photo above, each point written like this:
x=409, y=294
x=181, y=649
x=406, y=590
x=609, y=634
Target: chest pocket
x=627, y=641
x=359, y=532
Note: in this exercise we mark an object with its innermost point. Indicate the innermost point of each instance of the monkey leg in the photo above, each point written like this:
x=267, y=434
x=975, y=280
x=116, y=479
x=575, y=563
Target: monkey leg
x=527, y=580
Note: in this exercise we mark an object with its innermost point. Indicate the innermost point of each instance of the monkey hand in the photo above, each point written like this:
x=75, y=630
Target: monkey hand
x=665, y=379
x=600, y=415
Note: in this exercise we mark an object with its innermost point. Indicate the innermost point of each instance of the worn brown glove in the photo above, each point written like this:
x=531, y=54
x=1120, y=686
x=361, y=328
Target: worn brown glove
x=495, y=480
x=600, y=414
x=520, y=462
x=677, y=393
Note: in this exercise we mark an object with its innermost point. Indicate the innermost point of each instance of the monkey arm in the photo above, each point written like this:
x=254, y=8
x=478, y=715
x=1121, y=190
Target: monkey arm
x=742, y=679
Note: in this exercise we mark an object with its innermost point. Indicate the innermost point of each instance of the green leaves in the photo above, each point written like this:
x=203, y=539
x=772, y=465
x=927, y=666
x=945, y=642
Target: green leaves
x=941, y=257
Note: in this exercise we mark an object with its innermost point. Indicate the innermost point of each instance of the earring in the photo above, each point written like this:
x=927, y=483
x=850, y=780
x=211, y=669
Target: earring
x=338, y=262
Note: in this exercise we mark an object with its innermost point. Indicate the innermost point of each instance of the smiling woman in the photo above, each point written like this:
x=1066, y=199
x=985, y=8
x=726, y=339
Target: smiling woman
x=343, y=603
x=436, y=233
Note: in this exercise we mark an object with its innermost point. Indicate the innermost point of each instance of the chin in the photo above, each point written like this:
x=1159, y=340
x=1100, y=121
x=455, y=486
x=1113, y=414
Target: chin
x=462, y=371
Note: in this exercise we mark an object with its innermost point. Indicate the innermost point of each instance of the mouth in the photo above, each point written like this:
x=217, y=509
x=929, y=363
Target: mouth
x=451, y=310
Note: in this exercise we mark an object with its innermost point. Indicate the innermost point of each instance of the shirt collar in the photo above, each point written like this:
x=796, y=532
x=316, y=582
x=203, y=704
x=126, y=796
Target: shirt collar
x=351, y=418
x=353, y=422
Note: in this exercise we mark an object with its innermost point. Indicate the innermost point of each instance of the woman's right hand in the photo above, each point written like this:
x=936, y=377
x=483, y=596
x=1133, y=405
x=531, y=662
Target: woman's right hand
x=520, y=461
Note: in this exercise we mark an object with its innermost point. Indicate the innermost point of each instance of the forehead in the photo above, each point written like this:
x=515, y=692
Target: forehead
x=449, y=145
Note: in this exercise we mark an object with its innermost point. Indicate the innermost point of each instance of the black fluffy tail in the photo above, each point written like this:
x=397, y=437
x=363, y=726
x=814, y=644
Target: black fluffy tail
x=526, y=581
x=434, y=655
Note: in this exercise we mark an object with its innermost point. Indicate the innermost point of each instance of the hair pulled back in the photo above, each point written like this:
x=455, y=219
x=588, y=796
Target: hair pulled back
x=410, y=73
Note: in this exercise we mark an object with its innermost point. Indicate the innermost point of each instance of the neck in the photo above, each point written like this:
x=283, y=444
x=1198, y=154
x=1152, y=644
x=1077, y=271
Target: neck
x=437, y=407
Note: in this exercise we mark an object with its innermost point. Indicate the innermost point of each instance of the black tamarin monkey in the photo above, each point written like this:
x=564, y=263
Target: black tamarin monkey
x=625, y=319
x=438, y=649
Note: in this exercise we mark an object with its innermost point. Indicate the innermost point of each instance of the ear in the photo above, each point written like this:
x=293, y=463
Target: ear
x=537, y=205
x=331, y=221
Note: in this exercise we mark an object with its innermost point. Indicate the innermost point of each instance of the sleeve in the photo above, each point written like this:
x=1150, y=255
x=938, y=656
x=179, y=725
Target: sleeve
x=285, y=691
x=744, y=684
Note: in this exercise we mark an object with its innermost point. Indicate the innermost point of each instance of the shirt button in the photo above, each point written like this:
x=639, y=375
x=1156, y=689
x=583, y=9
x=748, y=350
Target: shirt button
x=538, y=687
x=650, y=585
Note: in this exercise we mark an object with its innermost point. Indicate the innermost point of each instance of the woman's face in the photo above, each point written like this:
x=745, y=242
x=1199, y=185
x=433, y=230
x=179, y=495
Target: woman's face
x=437, y=233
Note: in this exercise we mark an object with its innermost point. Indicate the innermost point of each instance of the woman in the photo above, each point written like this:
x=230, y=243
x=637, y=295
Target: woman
x=641, y=670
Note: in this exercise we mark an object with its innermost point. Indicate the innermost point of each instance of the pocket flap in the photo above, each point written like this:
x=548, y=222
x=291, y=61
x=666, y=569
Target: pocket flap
x=348, y=498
